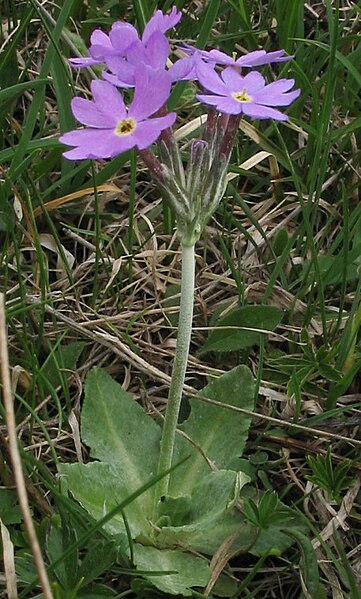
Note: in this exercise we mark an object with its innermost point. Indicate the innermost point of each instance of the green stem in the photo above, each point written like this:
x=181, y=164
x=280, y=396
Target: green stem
x=179, y=367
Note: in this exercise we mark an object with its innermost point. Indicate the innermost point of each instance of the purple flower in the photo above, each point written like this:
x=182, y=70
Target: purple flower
x=161, y=22
x=252, y=59
x=234, y=94
x=154, y=54
x=111, y=128
x=122, y=36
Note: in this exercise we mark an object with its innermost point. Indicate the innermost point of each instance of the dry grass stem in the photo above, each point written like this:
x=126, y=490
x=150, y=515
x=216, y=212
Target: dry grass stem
x=15, y=455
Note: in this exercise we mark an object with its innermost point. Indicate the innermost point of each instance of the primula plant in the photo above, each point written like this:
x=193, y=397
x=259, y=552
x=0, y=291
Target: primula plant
x=173, y=494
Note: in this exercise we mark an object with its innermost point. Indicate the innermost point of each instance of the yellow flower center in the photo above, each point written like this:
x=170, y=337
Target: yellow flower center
x=125, y=127
x=242, y=96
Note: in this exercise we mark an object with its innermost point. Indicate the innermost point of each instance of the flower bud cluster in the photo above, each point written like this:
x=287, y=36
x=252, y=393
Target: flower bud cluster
x=193, y=192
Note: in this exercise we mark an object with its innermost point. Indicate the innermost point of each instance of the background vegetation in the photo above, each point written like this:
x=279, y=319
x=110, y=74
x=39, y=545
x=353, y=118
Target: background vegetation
x=89, y=264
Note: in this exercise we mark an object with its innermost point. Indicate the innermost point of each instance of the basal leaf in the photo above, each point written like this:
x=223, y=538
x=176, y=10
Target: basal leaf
x=189, y=570
x=220, y=433
x=126, y=440
x=211, y=517
x=118, y=430
x=99, y=488
x=242, y=328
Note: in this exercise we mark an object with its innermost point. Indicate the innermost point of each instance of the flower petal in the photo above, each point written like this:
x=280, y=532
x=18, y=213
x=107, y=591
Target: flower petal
x=161, y=22
x=183, y=70
x=122, y=144
x=122, y=35
x=87, y=61
x=232, y=79
x=227, y=105
x=99, y=38
x=108, y=99
x=118, y=81
x=208, y=99
x=87, y=113
x=90, y=142
x=276, y=99
x=113, y=62
x=254, y=82
x=147, y=132
x=209, y=79
x=279, y=87
x=257, y=111
x=157, y=50
x=151, y=91
x=218, y=57
x=100, y=45
x=260, y=57
x=137, y=53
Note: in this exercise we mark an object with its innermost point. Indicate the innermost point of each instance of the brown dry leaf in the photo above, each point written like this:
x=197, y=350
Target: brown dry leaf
x=9, y=564
x=47, y=241
x=190, y=127
x=116, y=266
x=76, y=195
x=248, y=164
x=220, y=560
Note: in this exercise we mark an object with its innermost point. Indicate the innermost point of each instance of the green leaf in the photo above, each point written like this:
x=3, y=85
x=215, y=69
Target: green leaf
x=309, y=561
x=10, y=512
x=280, y=241
x=242, y=328
x=273, y=540
x=268, y=511
x=99, y=489
x=58, y=539
x=15, y=90
x=211, y=516
x=99, y=558
x=175, y=511
x=118, y=430
x=65, y=357
x=189, y=570
x=220, y=433
x=126, y=440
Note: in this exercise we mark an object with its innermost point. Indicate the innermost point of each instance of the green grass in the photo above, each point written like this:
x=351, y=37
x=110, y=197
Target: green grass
x=287, y=234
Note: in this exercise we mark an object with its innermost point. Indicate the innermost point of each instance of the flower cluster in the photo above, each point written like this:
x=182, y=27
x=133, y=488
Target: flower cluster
x=141, y=65
x=132, y=61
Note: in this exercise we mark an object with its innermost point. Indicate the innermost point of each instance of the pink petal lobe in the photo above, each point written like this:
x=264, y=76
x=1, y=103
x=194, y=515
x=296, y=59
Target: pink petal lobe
x=151, y=92
x=108, y=99
x=263, y=112
x=122, y=35
x=157, y=50
x=253, y=82
x=87, y=113
x=209, y=79
x=87, y=61
x=161, y=22
x=119, y=81
x=232, y=79
x=91, y=143
x=147, y=132
x=183, y=69
x=99, y=38
x=137, y=53
x=276, y=99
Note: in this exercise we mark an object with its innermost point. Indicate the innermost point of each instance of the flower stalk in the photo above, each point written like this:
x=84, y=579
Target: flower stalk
x=179, y=367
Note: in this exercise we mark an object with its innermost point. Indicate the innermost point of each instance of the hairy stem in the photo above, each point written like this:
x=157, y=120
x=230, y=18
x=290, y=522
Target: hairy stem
x=179, y=367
